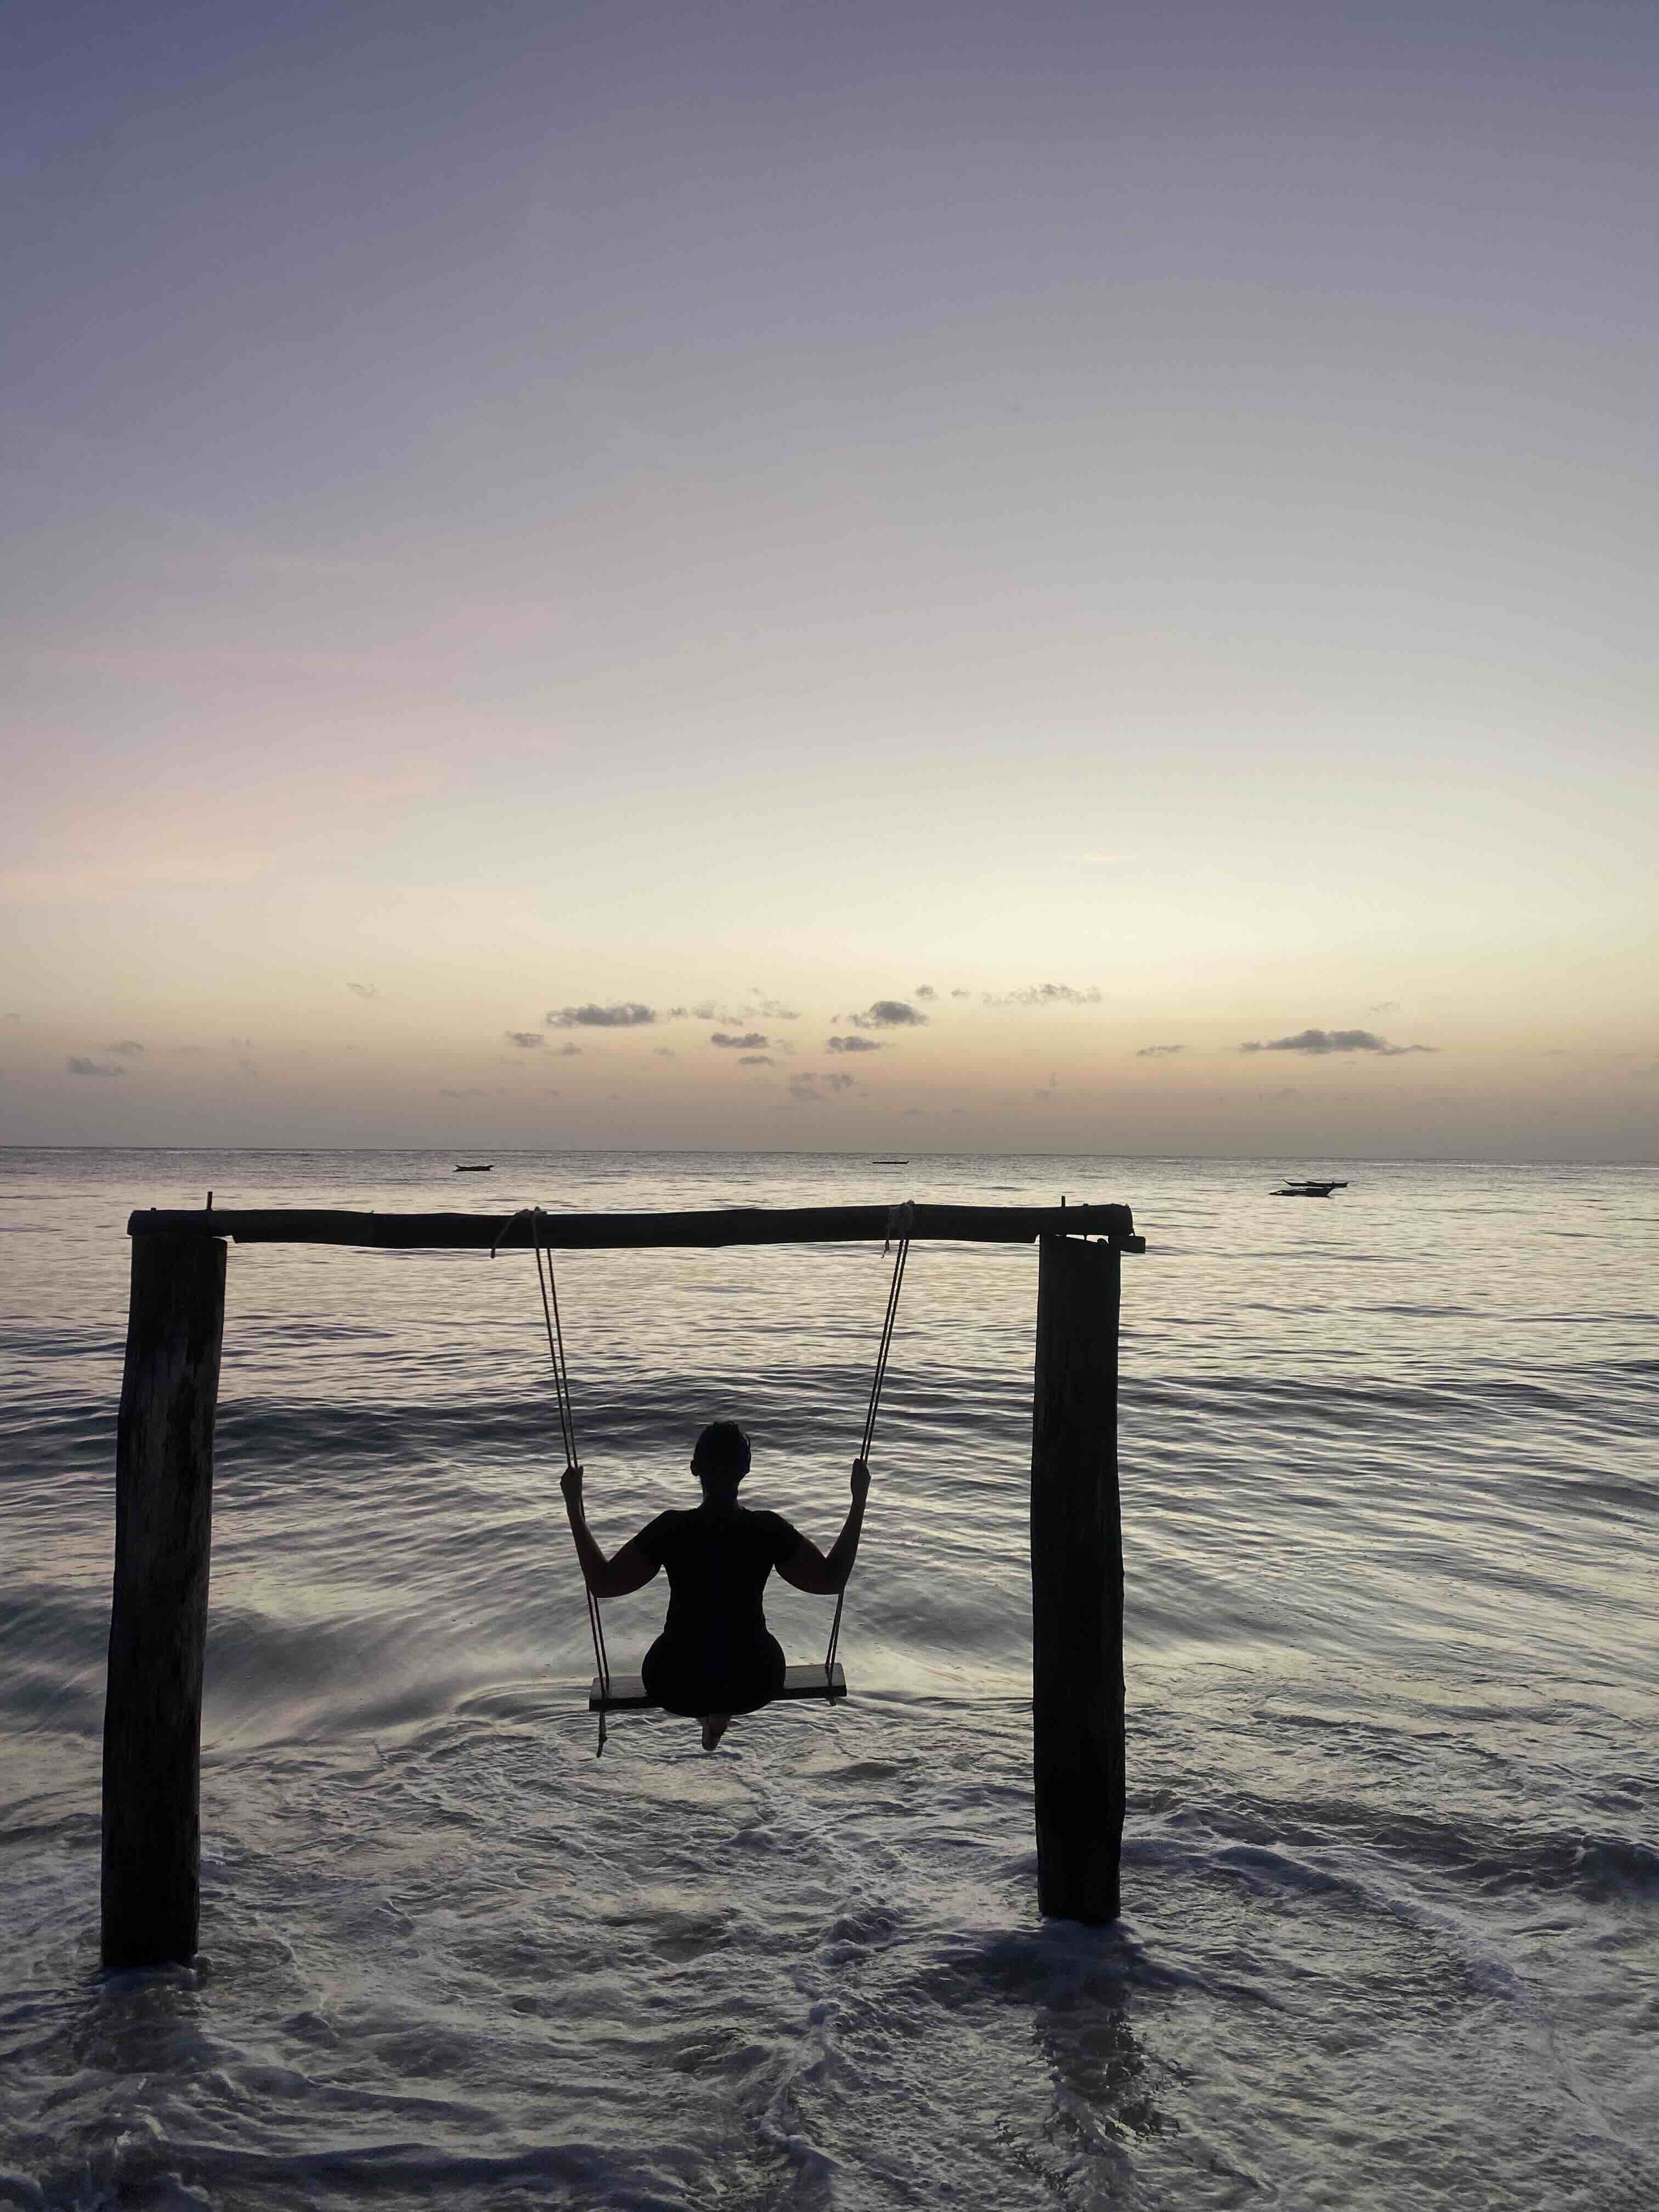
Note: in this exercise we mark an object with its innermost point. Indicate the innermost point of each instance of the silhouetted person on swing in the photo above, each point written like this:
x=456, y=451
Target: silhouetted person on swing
x=715, y=1656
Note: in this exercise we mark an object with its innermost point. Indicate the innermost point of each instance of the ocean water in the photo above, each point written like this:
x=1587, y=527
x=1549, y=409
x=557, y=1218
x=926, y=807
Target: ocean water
x=1391, y=1881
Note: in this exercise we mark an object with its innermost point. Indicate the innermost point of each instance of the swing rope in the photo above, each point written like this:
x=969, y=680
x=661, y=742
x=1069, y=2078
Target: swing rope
x=549, y=1296
x=898, y=1224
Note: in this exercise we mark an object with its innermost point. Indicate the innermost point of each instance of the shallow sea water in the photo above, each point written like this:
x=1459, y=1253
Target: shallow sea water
x=1391, y=1932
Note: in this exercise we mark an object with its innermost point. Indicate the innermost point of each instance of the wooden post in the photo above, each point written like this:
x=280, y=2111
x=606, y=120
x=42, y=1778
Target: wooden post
x=158, y=1619
x=1077, y=1583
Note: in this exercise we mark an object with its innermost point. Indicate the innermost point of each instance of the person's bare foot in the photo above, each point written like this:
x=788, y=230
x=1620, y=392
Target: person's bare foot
x=714, y=1726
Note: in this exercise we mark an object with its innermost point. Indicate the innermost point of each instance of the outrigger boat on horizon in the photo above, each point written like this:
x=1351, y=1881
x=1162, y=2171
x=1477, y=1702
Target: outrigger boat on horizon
x=1310, y=1188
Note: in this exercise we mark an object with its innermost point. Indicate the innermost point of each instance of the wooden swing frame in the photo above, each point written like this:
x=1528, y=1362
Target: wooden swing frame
x=151, y=1861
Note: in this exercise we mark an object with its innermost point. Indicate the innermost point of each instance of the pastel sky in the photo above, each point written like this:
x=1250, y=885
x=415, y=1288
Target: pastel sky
x=1128, y=533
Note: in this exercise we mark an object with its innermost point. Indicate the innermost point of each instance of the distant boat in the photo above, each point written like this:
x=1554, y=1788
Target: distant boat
x=477, y=1167
x=889, y=1164
x=1312, y=1189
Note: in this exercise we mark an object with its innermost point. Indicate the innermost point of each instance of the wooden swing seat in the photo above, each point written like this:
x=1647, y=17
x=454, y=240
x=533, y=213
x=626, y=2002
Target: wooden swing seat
x=628, y=1694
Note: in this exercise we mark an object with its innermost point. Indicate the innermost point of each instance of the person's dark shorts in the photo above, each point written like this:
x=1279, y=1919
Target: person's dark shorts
x=692, y=1681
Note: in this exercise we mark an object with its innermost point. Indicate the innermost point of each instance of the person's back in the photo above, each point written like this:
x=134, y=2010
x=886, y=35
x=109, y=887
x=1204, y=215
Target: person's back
x=717, y=1558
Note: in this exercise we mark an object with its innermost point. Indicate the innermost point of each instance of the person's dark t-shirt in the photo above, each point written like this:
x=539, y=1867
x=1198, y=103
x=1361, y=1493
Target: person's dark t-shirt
x=717, y=1565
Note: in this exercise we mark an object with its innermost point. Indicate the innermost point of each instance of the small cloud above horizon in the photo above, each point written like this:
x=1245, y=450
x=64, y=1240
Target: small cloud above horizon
x=753, y=1041
x=365, y=990
x=129, y=1048
x=757, y=1060
x=924, y=991
x=625, y=1014
x=852, y=1044
x=814, y=1089
x=525, y=1040
x=1320, y=1041
x=1044, y=994
x=889, y=1014
x=1159, y=1051
x=755, y=1009
x=78, y=1064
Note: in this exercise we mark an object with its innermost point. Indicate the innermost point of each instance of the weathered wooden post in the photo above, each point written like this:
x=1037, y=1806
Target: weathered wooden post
x=158, y=1622
x=1077, y=1583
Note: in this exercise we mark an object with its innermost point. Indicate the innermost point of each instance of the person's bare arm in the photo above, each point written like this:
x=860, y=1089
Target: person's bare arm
x=628, y=1570
x=808, y=1568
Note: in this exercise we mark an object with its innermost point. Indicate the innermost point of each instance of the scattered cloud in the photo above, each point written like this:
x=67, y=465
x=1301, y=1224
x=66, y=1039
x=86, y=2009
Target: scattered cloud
x=889, y=1014
x=658, y=1051
x=755, y=1009
x=751, y=1041
x=365, y=990
x=960, y=994
x=813, y=1090
x=1159, y=1051
x=757, y=1060
x=79, y=1065
x=129, y=1048
x=526, y=1040
x=567, y=1051
x=1383, y=1006
x=924, y=991
x=626, y=1014
x=1318, y=1042
x=1045, y=994
x=852, y=1044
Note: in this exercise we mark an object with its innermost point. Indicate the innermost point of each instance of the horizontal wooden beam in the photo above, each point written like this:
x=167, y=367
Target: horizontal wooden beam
x=593, y=1232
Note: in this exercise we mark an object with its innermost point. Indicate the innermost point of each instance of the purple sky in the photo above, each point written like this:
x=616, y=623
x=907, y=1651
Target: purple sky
x=524, y=506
